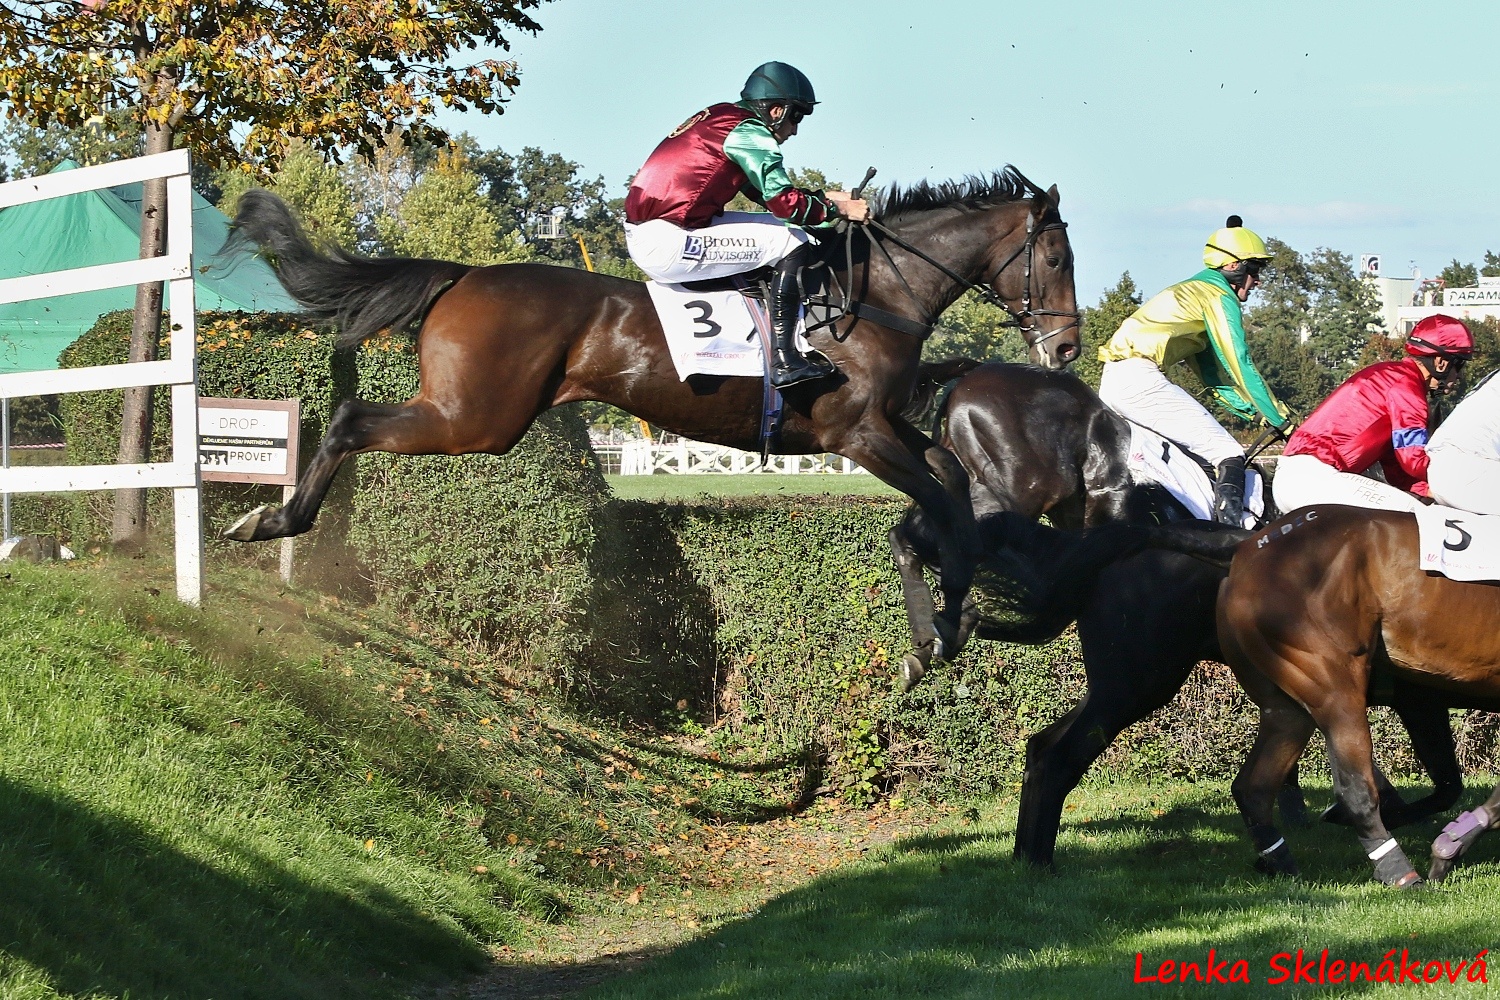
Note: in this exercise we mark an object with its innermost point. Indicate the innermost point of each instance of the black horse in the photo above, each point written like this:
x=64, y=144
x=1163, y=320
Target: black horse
x=1040, y=442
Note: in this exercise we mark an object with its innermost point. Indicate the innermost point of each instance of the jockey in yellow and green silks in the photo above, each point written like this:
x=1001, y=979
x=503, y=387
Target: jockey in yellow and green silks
x=1198, y=321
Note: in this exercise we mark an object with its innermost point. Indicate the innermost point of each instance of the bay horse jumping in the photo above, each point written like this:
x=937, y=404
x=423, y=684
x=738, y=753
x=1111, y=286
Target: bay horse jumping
x=1040, y=442
x=498, y=345
x=1312, y=610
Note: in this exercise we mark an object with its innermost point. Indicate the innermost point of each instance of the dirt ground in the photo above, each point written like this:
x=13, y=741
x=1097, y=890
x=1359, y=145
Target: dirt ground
x=725, y=876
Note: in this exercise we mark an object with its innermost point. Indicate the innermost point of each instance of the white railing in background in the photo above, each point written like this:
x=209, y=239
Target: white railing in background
x=178, y=371
x=683, y=457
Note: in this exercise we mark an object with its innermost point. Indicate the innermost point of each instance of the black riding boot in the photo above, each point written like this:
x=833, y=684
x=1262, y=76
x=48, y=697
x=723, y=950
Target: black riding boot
x=788, y=366
x=1229, y=492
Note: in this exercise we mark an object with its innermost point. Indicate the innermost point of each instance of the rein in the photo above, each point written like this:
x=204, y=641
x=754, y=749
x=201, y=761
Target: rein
x=1021, y=319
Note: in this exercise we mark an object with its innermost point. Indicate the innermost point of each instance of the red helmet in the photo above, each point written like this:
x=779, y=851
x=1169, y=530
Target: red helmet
x=1442, y=335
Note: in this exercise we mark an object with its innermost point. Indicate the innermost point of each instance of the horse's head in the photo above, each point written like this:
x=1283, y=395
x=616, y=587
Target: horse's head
x=1033, y=279
x=998, y=235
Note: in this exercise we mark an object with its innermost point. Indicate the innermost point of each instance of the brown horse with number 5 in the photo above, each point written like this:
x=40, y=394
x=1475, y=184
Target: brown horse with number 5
x=1313, y=607
x=498, y=345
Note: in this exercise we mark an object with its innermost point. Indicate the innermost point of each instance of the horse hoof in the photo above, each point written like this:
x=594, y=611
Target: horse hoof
x=911, y=671
x=244, y=529
x=1411, y=880
x=1439, y=868
x=1268, y=866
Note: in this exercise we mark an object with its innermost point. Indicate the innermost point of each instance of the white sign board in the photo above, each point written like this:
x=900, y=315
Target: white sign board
x=248, y=440
x=1483, y=296
x=1369, y=264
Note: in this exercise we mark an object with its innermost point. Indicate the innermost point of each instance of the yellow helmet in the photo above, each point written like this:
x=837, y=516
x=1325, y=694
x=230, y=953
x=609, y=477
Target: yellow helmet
x=1233, y=244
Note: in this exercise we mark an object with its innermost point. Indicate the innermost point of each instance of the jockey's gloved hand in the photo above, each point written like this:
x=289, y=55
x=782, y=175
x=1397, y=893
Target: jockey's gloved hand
x=852, y=208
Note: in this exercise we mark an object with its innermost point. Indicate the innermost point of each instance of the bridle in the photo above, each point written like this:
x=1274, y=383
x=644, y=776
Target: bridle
x=1022, y=319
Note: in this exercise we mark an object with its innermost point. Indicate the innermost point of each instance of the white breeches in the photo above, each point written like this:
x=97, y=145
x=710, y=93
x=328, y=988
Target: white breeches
x=1138, y=390
x=734, y=243
x=1302, y=480
x=1465, y=481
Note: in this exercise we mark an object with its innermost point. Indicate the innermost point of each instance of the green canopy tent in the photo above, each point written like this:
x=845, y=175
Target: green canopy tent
x=104, y=227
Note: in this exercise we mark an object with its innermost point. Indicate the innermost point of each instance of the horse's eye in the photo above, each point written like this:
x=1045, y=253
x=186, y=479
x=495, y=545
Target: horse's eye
x=1053, y=261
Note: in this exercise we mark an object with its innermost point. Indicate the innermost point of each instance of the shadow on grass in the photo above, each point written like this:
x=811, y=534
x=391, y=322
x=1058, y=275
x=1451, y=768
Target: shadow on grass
x=103, y=907
x=953, y=915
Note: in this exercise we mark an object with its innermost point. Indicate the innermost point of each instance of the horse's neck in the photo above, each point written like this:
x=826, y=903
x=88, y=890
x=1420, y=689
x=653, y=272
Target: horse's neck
x=964, y=242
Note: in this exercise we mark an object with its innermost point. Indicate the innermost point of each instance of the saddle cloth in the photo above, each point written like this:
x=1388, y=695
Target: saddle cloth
x=712, y=333
x=1458, y=544
x=1155, y=459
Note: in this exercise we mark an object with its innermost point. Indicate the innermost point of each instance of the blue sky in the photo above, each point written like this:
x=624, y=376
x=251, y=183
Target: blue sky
x=1364, y=127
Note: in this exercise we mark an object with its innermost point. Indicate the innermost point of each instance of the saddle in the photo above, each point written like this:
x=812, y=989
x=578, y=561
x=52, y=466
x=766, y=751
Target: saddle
x=824, y=305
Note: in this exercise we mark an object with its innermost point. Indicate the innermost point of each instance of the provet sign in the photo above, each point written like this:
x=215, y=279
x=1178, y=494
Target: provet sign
x=248, y=440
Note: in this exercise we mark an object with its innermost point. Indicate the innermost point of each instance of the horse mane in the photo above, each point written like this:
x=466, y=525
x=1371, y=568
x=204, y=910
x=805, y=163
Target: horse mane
x=973, y=191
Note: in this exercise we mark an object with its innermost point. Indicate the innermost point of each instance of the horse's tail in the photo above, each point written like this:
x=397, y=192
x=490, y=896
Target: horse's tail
x=932, y=378
x=361, y=295
x=1039, y=578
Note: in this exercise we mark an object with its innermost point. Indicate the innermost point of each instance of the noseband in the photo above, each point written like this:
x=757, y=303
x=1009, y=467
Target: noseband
x=1022, y=319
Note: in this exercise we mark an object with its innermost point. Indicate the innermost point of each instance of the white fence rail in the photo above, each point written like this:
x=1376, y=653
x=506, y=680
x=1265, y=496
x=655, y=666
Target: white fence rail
x=690, y=458
x=179, y=371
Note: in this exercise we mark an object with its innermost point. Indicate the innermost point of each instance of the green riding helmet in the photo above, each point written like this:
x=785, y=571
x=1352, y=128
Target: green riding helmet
x=777, y=83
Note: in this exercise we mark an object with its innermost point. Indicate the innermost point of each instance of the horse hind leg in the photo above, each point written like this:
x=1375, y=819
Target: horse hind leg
x=1350, y=752
x=415, y=427
x=1285, y=728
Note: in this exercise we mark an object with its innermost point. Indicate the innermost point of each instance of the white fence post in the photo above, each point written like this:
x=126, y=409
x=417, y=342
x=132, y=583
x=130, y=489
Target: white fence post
x=179, y=371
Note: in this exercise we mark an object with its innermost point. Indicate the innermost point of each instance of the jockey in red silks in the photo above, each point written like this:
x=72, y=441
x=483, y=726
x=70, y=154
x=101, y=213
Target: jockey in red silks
x=676, y=228
x=1379, y=415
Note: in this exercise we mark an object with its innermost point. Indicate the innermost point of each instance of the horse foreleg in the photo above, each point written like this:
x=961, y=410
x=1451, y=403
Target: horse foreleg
x=1458, y=836
x=959, y=614
x=1426, y=722
x=412, y=428
x=880, y=446
x=912, y=529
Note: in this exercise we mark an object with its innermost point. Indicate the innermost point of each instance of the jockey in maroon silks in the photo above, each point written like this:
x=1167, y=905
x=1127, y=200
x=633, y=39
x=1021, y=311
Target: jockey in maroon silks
x=676, y=228
x=1379, y=415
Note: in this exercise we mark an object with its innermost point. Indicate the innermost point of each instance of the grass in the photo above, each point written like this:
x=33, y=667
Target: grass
x=769, y=484
x=1159, y=870
x=280, y=796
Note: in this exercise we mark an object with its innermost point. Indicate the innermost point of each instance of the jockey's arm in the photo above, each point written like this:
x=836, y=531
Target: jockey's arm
x=1238, y=384
x=757, y=153
x=1406, y=467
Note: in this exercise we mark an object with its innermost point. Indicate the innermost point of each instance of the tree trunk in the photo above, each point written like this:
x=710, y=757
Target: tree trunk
x=145, y=331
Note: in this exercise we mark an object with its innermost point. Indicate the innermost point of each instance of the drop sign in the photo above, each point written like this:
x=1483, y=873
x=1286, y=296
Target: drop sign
x=248, y=440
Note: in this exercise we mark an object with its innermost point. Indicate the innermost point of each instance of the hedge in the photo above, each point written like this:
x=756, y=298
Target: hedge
x=808, y=620
x=481, y=548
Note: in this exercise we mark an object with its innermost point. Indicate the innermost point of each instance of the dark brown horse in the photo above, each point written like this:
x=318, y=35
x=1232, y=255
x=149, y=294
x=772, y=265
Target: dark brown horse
x=498, y=345
x=1314, y=607
x=1040, y=442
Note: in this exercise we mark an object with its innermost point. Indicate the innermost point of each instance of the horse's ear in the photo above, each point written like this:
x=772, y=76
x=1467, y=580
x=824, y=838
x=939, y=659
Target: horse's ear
x=1054, y=196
